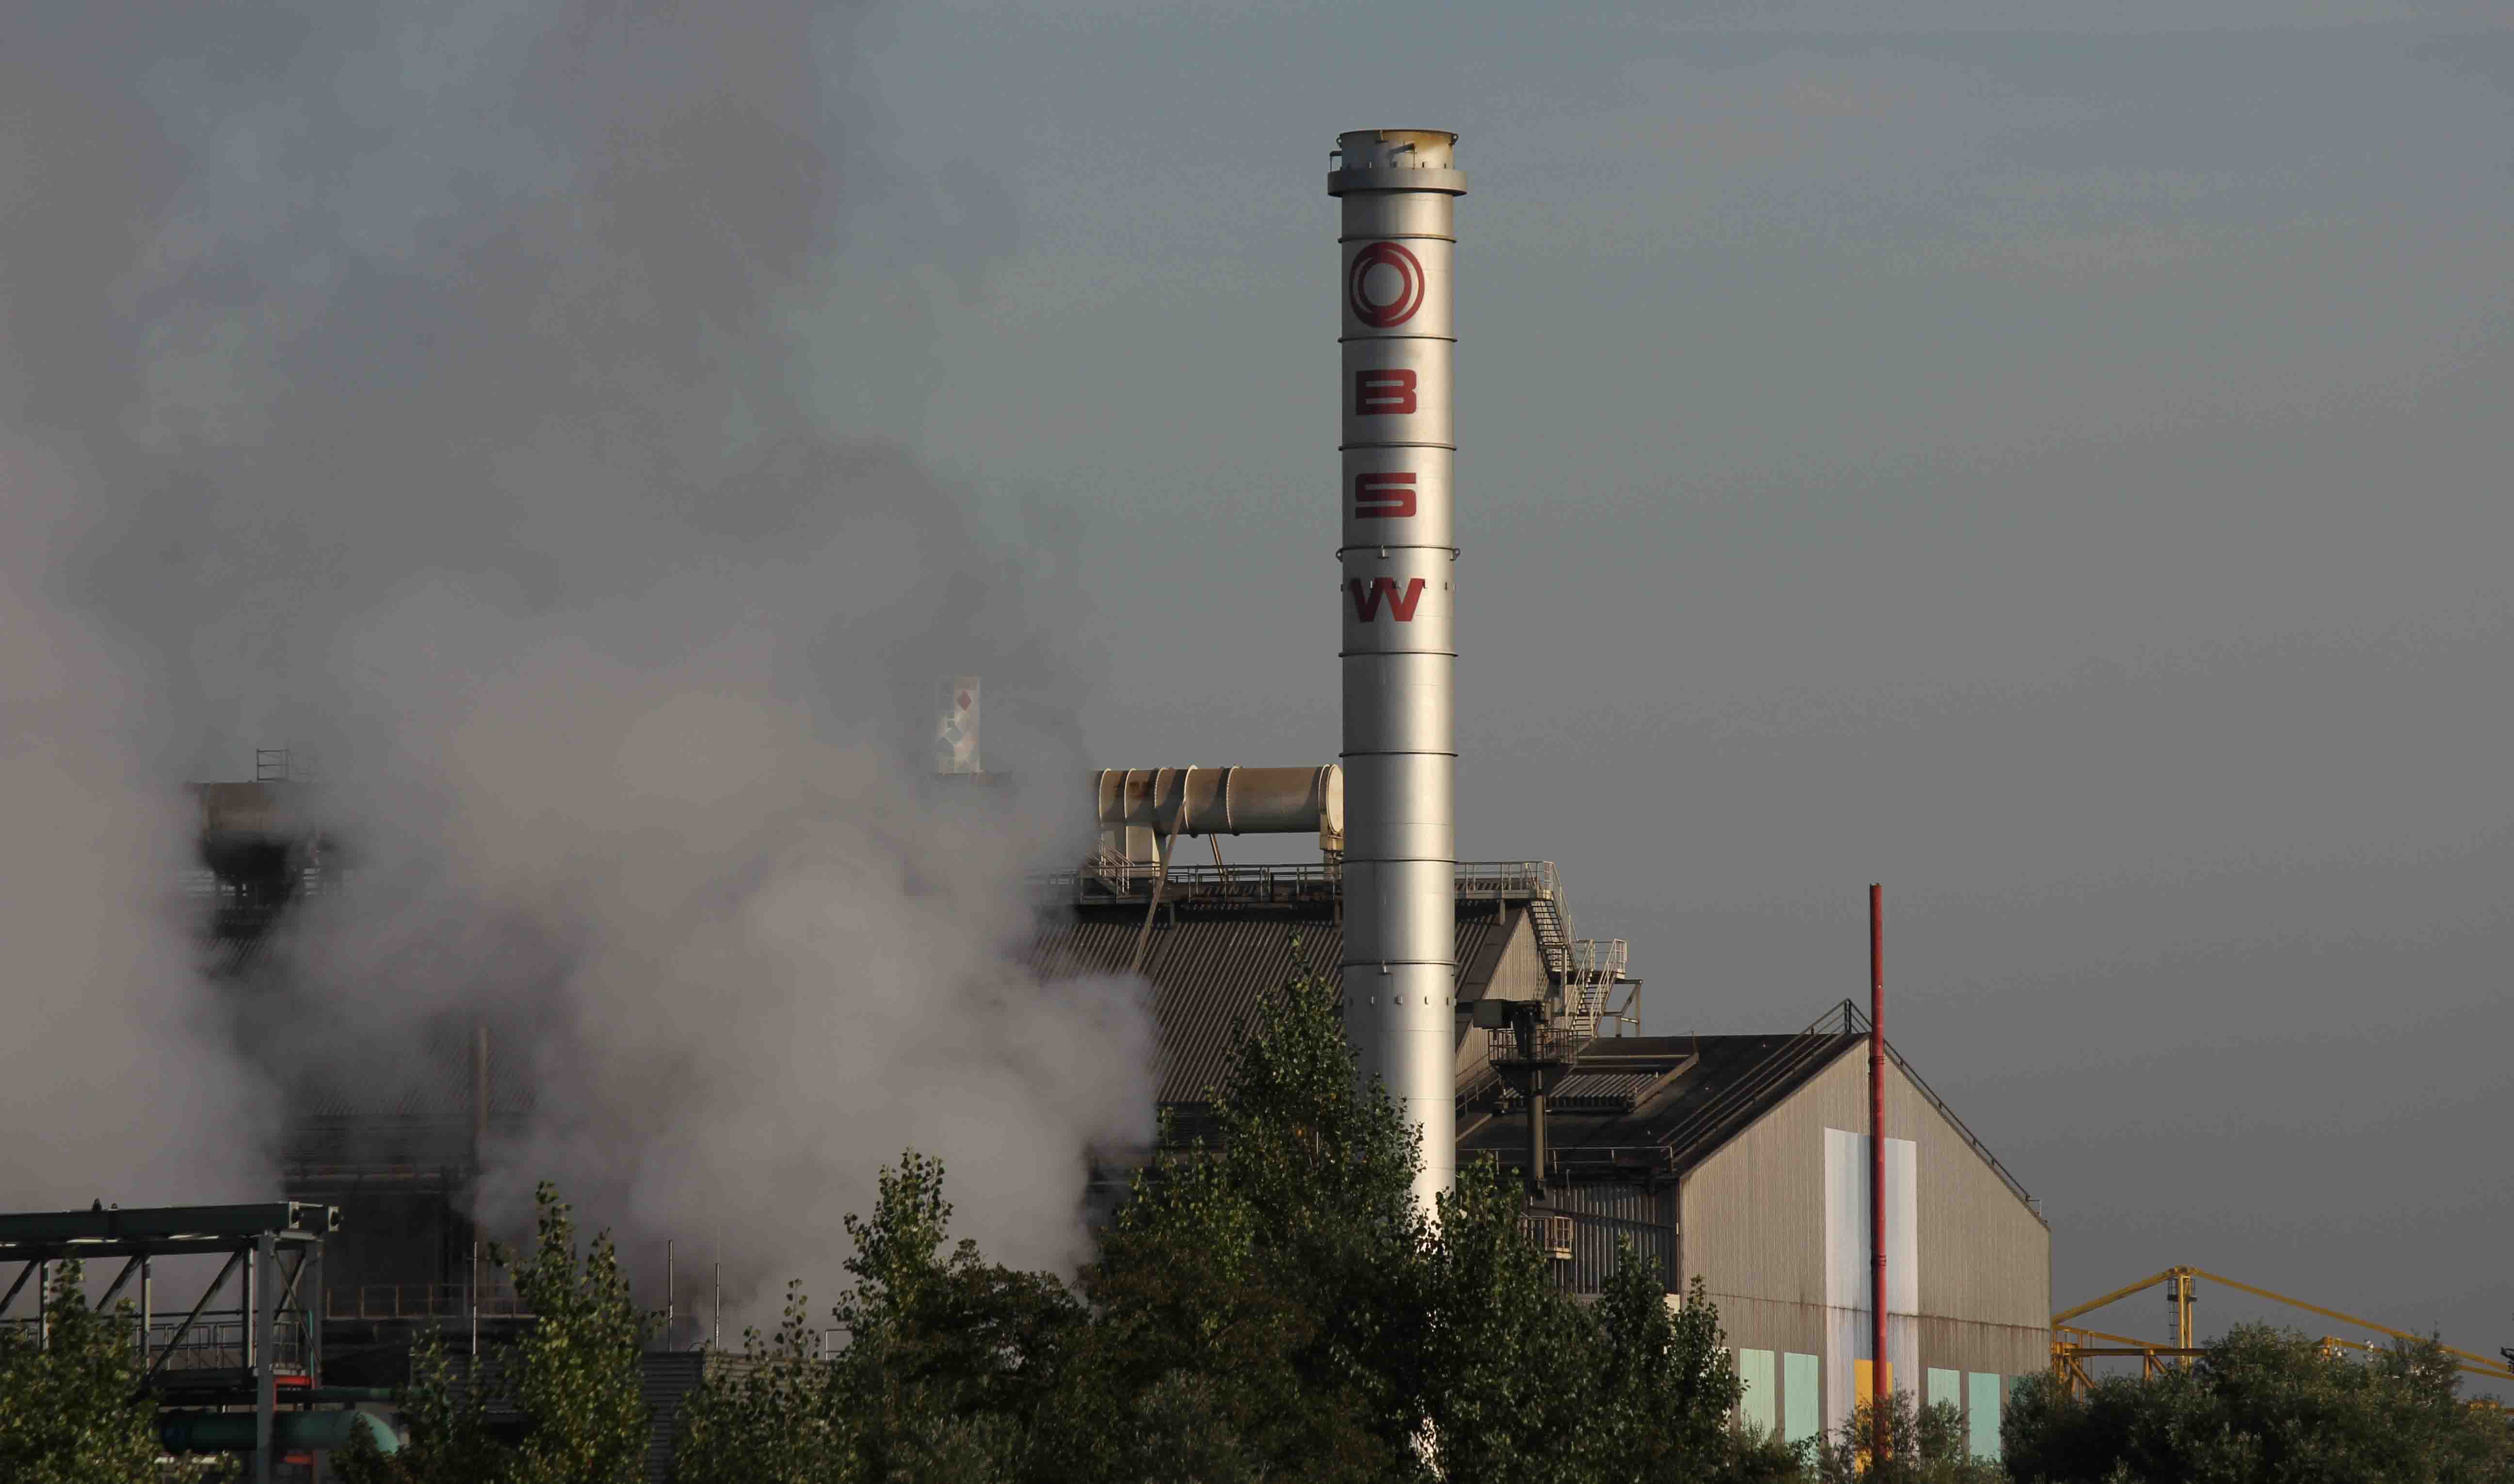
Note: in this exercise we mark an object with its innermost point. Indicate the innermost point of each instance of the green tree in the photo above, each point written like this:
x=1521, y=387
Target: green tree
x=576, y=1370
x=1269, y=1305
x=949, y=1362
x=2263, y=1406
x=570, y=1381
x=1510, y=1359
x=770, y=1418
x=69, y=1411
x=1274, y=1305
x=1664, y=1388
x=949, y=1359
x=447, y=1419
x=1259, y=1301
x=1924, y=1445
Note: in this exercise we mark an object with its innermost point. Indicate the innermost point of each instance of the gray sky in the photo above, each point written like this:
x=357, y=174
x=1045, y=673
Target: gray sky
x=2057, y=469
x=2059, y=472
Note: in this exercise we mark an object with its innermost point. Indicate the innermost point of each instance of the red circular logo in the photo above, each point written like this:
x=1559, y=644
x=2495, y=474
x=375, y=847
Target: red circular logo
x=1384, y=310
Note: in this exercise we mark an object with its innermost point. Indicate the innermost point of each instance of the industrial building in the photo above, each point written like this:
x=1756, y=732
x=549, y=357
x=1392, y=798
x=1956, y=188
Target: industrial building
x=1740, y=1160
x=1736, y=1159
x=393, y=1138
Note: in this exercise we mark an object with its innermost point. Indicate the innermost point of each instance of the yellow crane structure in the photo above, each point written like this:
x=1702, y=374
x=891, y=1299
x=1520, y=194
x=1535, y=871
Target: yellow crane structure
x=2073, y=1346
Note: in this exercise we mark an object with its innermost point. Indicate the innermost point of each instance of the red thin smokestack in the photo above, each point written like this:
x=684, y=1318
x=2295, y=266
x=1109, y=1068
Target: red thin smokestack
x=1878, y=1393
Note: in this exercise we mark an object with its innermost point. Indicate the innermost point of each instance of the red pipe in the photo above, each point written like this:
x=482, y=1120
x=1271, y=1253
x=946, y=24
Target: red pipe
x=1879, y=1394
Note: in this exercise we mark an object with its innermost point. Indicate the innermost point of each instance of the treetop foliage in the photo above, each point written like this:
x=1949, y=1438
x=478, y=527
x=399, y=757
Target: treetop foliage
x=1266, y=1306
x=563, y=1405
x=69, y=1413
x=2265, y=1406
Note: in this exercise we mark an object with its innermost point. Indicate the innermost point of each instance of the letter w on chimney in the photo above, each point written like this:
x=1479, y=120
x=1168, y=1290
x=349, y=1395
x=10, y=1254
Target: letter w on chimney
x=1366, y=596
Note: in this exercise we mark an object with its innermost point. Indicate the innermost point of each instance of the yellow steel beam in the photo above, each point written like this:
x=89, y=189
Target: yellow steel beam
x=2091, y=1304
x=2493, y=1373
x=2145, y=1344
x=2070, y=1355
x=2332, y=1314
x=2475, y=1364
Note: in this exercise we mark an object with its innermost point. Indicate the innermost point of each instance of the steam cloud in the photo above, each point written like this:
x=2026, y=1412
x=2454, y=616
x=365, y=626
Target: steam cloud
x=438, y=387
x=116, y=1071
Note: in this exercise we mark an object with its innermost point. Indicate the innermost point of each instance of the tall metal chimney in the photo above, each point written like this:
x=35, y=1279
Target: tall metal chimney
x=1400, y=188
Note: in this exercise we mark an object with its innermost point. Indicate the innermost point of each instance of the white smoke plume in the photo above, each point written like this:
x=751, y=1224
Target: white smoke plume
x=116, y=1072
x=450, y=389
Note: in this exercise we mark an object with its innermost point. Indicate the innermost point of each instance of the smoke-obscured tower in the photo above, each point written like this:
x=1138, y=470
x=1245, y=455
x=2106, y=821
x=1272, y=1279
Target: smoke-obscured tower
x=1399, y=189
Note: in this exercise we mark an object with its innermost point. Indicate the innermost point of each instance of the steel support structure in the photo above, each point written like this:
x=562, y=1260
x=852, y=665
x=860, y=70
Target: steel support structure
x=1398, y=558
x=274, y=1255
x=2069, y=1354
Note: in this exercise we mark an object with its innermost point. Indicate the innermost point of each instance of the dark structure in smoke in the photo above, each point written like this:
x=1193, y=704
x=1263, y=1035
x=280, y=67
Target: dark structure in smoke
x=429, y=388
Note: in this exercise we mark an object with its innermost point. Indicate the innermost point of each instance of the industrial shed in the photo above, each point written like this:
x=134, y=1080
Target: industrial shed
x=1749, y=1154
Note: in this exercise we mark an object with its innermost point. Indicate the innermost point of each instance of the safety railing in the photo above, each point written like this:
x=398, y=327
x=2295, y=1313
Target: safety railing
x=1743, y=1099
x=1858, y=1024
x=213, y=1341
x=389, y=1303
x=1544, y=1043
x=1475, y=878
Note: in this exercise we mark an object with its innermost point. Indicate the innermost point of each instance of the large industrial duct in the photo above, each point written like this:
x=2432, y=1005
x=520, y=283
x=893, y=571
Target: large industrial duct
x=1137, y=809
x=1399, y=189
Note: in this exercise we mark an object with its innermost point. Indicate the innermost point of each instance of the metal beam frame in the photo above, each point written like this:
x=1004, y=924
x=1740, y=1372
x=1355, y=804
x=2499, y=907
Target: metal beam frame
x=2067, y=1354
x=179, y=1223
x=216, y=1284
x=24, y=1273
x=263, y=1358
x=128, y=1268
x=257, y=1242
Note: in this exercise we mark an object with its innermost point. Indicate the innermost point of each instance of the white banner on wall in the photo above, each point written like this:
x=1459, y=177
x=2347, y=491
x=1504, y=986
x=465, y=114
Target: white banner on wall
x=1848, y=1268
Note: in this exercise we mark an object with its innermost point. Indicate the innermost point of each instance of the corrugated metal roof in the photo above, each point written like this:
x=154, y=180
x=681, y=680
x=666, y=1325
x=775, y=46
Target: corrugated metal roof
x=1599, y=1092
x=1210, y=968
x=1718, y=1085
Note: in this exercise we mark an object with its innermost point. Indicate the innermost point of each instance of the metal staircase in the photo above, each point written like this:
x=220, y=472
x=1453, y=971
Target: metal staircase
x=1597, y=968
x=1553, y=933
x=1585, y=971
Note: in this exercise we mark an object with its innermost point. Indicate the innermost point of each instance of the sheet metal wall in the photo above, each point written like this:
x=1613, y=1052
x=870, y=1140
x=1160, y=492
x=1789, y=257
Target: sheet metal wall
x=1602, y=1216
x=1210, y=967
x=1506, y=966
x=1752, y=1222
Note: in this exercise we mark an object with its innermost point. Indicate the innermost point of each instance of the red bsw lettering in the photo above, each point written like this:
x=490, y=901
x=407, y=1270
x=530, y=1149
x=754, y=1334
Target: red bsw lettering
x=1383, y=392
x=1365, y=599
x=1389, y=497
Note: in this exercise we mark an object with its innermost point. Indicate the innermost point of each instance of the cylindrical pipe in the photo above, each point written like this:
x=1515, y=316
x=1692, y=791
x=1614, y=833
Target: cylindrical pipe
x=1537, y=1156
x=290, y=1431
x=1221, y=801
x=1538, y=1075
x=265, y=1346
x=1880, y=1397
x=1398, y=556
